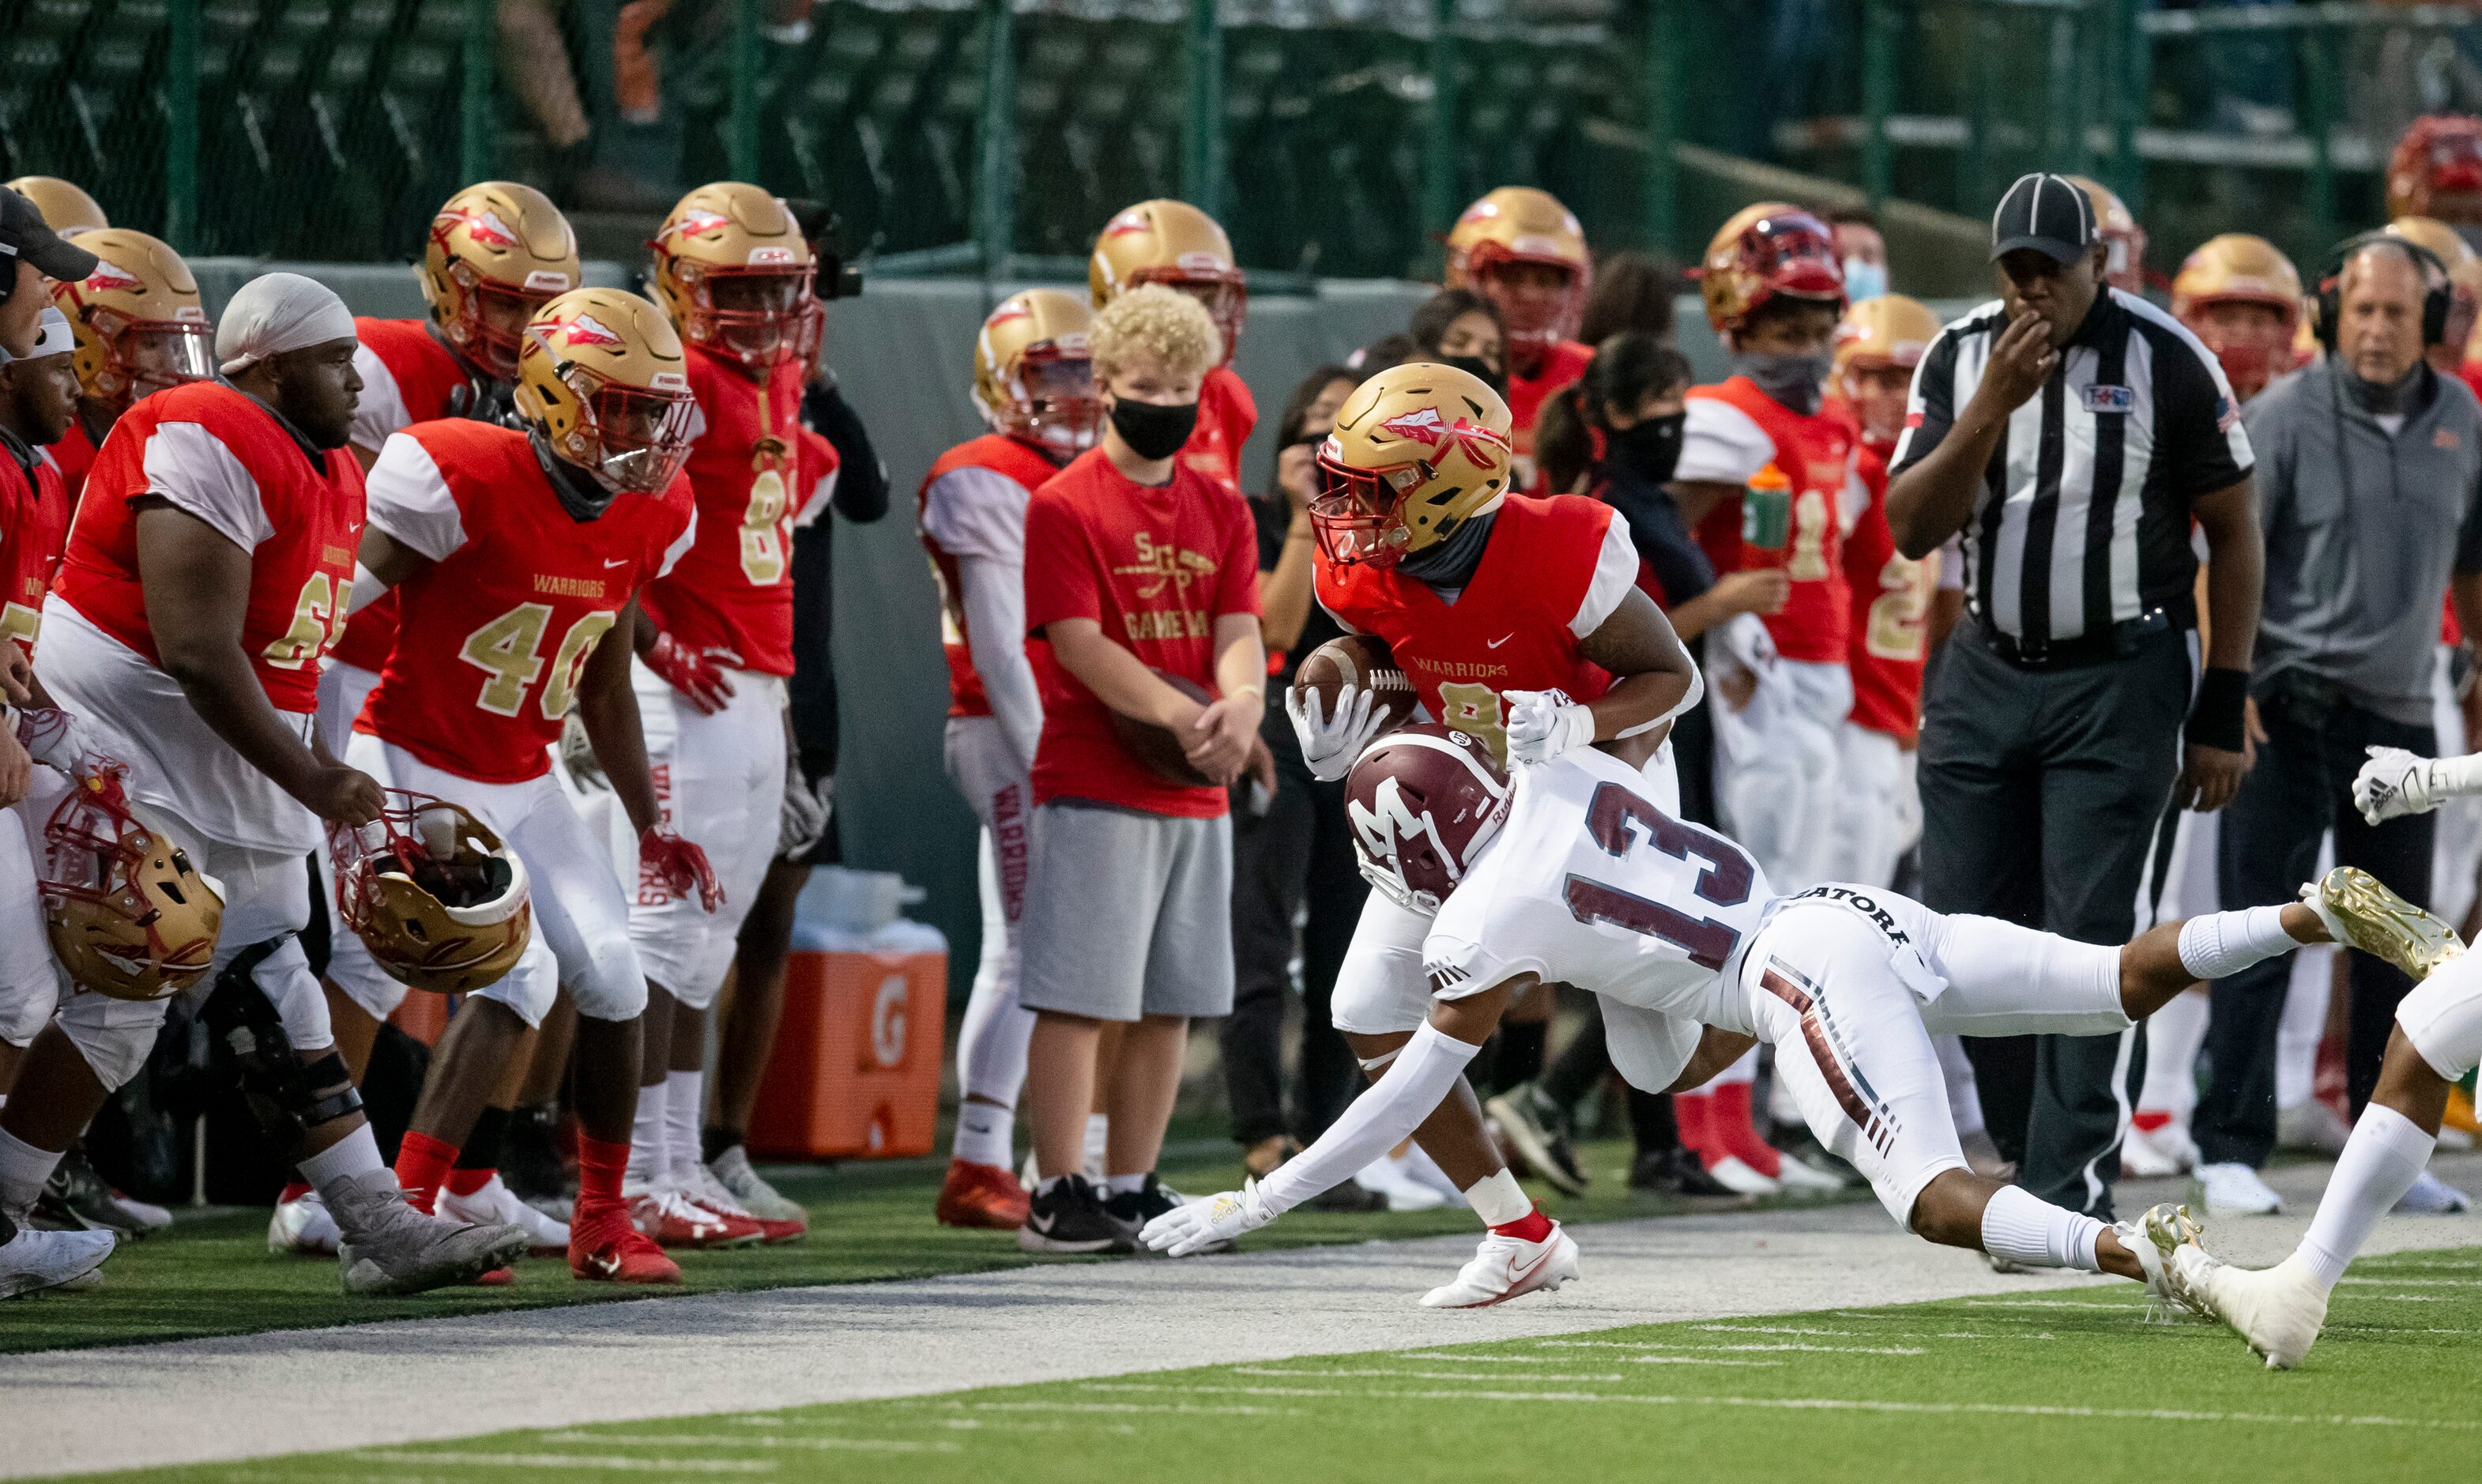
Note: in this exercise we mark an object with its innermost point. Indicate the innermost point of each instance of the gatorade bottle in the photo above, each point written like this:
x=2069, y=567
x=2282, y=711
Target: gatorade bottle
x=1766, y=514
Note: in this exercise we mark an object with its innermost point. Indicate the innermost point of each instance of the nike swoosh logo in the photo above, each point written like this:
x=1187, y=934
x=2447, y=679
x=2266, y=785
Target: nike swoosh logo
x=1518, y=1275
x=1493, y=643
x=612, y=562
x=609, y=1266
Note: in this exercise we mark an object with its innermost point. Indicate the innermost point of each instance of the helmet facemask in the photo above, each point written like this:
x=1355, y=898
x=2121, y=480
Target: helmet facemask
x=1053, y=399
x=489, y=321
x=2253, y=347
x=1356, y=512
x=139, y=358
x=127, y=914
x=1399, y=849
x=760, y=315
x=633, y=440
x=1533, y=312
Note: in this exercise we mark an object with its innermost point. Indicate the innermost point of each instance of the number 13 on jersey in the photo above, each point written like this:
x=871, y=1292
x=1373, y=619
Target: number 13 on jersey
x=1618, y=819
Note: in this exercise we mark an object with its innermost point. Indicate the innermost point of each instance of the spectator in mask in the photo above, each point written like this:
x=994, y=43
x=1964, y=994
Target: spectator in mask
x=1862, y=248
x=1460, y=328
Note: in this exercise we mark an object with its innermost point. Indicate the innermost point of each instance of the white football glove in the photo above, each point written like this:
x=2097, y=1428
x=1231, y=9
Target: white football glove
x=1201, y=1224
x=1541, y=725
x=804, y=818
x=2395, y=782
x=1329, y=746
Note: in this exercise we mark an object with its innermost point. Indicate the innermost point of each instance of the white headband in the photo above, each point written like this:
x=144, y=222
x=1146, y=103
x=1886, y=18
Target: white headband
x=55, y=338
x=278, y=312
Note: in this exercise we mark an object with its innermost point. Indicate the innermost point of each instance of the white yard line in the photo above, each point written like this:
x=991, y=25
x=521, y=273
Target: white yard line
x=378, y=1385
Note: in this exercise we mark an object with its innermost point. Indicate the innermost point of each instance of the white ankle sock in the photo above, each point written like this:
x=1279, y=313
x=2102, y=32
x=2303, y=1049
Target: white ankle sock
x=984, y=1133
x=1124, y=1184
x=1498, y=1200
x=2382, y=1159
x=684, y=1107
x=23, y=1169
x=1099, y=1134
x=647, y=1165
x=2223, y=944
x=354, y=1154
x=2025, y=1228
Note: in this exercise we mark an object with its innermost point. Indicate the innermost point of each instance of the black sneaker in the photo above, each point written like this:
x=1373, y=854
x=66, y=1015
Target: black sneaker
x=1675, y=1170
x=530, y=1156
x=76, y=1199
x=1536, y=1125
x=1133, y=1209
x=1068, y=1217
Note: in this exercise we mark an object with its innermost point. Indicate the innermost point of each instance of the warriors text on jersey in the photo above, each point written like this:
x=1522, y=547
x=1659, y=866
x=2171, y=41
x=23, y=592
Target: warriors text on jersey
x=1591, y=884
x=1551, y=571
x=494, y=635
x=973, y=505
x=1733, y=430
x=757, y=473
x=221, y=456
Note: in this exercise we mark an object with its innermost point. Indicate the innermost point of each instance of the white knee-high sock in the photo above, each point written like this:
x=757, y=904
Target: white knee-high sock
x=684, y=1110
x=647, y=1163
x=2304, y=1024
x=2172, y=1036
x=23, y=1170
x=985, y=1133
x=2223, y=944
x=2382, y=1159
x=2026, y=1229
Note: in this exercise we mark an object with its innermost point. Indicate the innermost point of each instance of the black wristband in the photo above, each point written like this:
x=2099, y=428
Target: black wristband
x=2215, y=721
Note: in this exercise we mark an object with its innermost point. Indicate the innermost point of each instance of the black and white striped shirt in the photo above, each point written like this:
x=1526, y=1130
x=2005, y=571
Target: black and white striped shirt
x=2084, y=517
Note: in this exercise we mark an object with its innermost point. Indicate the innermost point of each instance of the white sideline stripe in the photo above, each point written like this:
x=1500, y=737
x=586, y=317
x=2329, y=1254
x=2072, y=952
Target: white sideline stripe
x=2105, y=1308
x=2419, y=1283
x=1768, y=1328
x=570, y=1437
x=1856, y=1404
x=616, y=1462
x=1428, y=1375
x=1131, y=1406
x=1677, y=1348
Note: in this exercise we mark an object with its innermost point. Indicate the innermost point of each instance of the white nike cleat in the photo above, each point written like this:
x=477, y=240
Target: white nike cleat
x=2155, y=1238
x=33, y=1260
x=497, y=1204
x=302, y=1228
x=1393, y=1181
x=2279, y=1310
x=1507, y=1268
x=2233, y=1189
x=2141, y=1158
x=2357, y=908
x=2311, y=1124
x=2431, y=1196
x=1734, y=1175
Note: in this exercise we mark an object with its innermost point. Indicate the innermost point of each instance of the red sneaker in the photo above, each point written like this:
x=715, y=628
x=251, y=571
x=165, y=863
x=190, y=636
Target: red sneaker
x=603, y=1247
x=496, y=1278
x=982, y=1195
x=674, y=1220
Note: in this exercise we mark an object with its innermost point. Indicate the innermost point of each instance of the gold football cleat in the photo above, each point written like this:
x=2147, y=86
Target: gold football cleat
x=2358, y=909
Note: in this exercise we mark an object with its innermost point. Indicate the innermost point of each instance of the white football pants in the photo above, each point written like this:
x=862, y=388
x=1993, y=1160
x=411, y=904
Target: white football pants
x=992, y=1041
x=1775, y=767
x=1878, y=809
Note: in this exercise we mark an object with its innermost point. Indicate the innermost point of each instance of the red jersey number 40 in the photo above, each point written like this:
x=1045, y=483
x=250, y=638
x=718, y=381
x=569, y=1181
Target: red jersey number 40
x=510, y=651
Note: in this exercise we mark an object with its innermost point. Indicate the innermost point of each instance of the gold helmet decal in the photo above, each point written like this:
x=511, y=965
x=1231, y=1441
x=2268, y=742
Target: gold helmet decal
x=1174, y=244
x=434, y=894
x=139, y=322
x=498, y=251
x=734, y=272
x=127, y=914
x=1519, y=225
x=1419, y=450
x=601, y=377
x=66, y=209
x=1034, y=376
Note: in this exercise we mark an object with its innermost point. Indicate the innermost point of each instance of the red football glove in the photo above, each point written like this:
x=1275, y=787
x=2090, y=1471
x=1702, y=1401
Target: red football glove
x=679, y=865
x=693, y=674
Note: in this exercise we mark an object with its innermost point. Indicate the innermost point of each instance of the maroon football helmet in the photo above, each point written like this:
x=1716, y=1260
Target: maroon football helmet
x=1424, y=801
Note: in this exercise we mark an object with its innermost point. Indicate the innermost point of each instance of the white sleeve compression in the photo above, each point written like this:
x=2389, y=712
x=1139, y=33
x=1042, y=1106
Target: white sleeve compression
x=994, y=604
x=1385, y=1116
x=2456, y=774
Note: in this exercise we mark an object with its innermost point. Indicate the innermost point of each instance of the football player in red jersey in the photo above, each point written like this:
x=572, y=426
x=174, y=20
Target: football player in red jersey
x=512, y=553
x=208, y=568
x=2436, y=171
x=1520, y=623
x=1526, y=251
x=715, y=642
x=140, y=328
x=1033, y=383
x=1180, y=247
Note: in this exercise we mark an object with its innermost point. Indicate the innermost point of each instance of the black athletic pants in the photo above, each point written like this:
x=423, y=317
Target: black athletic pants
x=2301, y=788
x=2040, y=788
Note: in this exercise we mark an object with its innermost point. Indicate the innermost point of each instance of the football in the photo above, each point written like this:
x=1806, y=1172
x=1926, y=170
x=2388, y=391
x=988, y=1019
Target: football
x=1157, y=748
x=1362, y=661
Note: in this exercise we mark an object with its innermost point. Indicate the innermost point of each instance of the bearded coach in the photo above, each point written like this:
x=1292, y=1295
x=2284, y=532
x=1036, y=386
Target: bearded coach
x=2072, y=433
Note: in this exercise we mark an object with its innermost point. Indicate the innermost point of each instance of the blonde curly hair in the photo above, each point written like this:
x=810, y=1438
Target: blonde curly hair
x=1162, y=324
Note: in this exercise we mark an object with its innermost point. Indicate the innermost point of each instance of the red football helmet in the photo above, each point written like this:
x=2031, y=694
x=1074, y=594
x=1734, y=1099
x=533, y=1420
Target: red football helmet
x=1424, y=802
x=1764, y=251
x=2437, y=170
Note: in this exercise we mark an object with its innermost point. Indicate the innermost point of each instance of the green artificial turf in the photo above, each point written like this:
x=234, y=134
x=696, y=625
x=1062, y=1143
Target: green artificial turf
x=2058, y=1384
x=213, y=1274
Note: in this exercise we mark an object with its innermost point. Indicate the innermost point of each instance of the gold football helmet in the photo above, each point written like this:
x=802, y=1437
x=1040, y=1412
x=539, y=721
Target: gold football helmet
x=498, y=252
x=66, y=209
x=2124, y=264
x=1417, y=451
x=2464, y=274
x=2239, y=269
x=1521, y=225
x=601, y=374
x=432, y=892
x=734, y=272
x=139, y=322
x=2436, y=169
x=1033, y=378
x=127, y=914
x=1763, y=250
x=1885, y=333
x=1174, y=244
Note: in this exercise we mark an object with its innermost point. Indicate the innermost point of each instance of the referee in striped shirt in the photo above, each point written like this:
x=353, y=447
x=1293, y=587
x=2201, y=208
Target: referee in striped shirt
x=2072, y=433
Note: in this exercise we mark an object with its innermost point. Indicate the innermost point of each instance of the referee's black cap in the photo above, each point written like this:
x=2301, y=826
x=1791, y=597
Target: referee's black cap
x=24, y=234
x=2045, y=212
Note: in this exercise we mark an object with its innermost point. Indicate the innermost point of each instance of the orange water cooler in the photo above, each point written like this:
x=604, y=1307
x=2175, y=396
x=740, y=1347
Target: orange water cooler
x=856, y=1072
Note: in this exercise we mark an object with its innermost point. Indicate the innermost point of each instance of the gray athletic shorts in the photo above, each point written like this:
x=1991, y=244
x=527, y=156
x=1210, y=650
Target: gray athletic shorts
x=1126, y=914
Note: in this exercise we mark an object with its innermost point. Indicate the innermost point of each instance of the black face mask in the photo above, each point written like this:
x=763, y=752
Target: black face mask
x=1152, y=429
x=1796, y=381
x=579, y=493
x=2380, y=398
x=1481, y=370
x=1651, y=449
